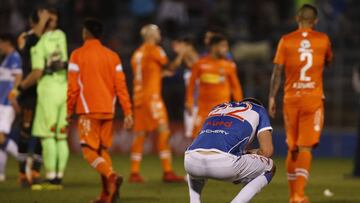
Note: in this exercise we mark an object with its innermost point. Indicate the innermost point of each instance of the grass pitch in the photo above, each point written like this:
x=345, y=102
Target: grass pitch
x=82, y=184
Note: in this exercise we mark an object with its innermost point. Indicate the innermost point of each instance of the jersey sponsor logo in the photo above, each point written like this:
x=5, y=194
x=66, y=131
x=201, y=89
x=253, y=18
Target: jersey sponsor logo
x=208, y=131
x=220, y=123
x=211, y=78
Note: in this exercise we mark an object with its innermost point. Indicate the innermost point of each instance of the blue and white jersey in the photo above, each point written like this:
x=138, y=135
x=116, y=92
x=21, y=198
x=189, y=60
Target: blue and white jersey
x=10, y=66
x=231, y=127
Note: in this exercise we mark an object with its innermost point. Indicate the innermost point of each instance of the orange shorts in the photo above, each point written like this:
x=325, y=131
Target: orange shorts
x=150, y=115
x=95, y=132
x=303, y=123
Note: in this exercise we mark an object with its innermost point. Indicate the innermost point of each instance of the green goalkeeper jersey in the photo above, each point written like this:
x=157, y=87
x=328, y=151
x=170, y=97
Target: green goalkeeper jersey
x=51, y=46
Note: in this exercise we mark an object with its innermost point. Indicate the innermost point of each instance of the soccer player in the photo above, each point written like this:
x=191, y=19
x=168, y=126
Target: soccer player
x=217, y=78
x=150, y=113
x=222, y=151
x=211, y=32
x=10, y=77
x=26, y=97
x=48, y=59
x=186, y=54
x=303, y=54
x=95, y=78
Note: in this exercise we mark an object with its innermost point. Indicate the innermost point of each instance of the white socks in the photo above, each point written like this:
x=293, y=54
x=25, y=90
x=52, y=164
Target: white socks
x=12, y=148
x=3, y=158
x=250, y=190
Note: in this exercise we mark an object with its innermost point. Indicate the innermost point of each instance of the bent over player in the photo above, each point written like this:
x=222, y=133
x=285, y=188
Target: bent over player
x=225, y=140
x=96, y=77
x=302, y=54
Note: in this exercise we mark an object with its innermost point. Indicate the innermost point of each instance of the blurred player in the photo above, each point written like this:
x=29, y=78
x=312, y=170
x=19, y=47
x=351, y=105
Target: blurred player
x=302, y=54
x=217, y=78
x=26, y=93
x=222, y=151
x=48, y=59
x=186, y=54
x=95, y=67
x=211, y=32
x=150, y=113
x=10, y=77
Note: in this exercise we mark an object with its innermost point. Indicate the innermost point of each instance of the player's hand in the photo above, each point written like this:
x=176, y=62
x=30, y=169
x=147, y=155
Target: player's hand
x=21, y=40
x=128, y=122
x=272, y=107
x=13, y=94
x=44, y=15
x=69, y=119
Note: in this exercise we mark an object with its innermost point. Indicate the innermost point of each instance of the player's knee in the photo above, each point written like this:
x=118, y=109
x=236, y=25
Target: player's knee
x=270, y=174
x=305, y=149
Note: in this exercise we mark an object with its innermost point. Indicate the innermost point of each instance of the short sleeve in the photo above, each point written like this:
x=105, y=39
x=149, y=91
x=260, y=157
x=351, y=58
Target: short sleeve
x=16, y=65
x=264, y=121
x=280, y=53
x=37, y=56
x=160, y=56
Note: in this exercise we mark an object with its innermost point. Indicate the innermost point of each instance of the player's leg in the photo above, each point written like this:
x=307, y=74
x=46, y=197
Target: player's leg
x=142, y=122
x=6, y=145
x=195, y=188
x=26, y=122
x=3, y=160
x=61, y=143
x=310, y=126
x=37, y=160
x=256, y=172
x=189, y=121
x=291, y=114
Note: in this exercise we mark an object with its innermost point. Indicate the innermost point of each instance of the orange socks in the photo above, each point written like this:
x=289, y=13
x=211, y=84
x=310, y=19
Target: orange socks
x=100, y=163
x=291, y=175
x=136, y=153
x=302, y=169
x=164, y=150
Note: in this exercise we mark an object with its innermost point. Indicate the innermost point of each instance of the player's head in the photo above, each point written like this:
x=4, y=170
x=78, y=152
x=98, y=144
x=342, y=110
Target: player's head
x=210, y=32
x=307, y=15
x=92, y=28
x=53, y=20
x=219, y=46
x=7, y=43
x=150, y=33
x=252, y=100
x=183, y=43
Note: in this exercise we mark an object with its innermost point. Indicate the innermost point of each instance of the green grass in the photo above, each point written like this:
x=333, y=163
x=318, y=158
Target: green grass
x=82, y=184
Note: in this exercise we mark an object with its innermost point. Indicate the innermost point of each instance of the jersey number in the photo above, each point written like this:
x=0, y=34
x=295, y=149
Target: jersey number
x=309, y=62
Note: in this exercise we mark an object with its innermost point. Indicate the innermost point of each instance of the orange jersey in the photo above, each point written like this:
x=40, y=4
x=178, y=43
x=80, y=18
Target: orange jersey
x=217, y=81
x=147, y=63
x=304, y=53
x=95, y=77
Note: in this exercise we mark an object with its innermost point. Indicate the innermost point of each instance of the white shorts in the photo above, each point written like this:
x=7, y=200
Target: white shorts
x=7, y=117
x=226, y=167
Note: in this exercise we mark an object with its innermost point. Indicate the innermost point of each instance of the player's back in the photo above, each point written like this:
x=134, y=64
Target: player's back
x=147, y=63
x=304, y=53
x=230, y=127
x=97, y=66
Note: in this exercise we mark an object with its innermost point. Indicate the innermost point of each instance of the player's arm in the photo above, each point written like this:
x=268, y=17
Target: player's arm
x=266, y=148
x=123, y=94
x=73, y=90
x=38, y=65
x=276, y=77
x=329, y=54
x=235, y=85
x=195, y=72
x=44, y=17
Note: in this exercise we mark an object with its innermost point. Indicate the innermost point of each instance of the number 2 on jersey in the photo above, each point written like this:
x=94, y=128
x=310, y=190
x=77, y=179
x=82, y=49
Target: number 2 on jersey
x=309, y=62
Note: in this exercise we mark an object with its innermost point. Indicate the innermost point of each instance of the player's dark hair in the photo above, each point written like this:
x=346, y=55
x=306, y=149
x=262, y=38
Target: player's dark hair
x=94, y=26
x=52, y=10
x=252, y=100
x=216, y=30
x=216, y=39
x=7, y=37
x=307, y=12
x=34, y=17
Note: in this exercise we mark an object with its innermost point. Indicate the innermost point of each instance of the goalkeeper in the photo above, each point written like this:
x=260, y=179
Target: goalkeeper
x=49, y=57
